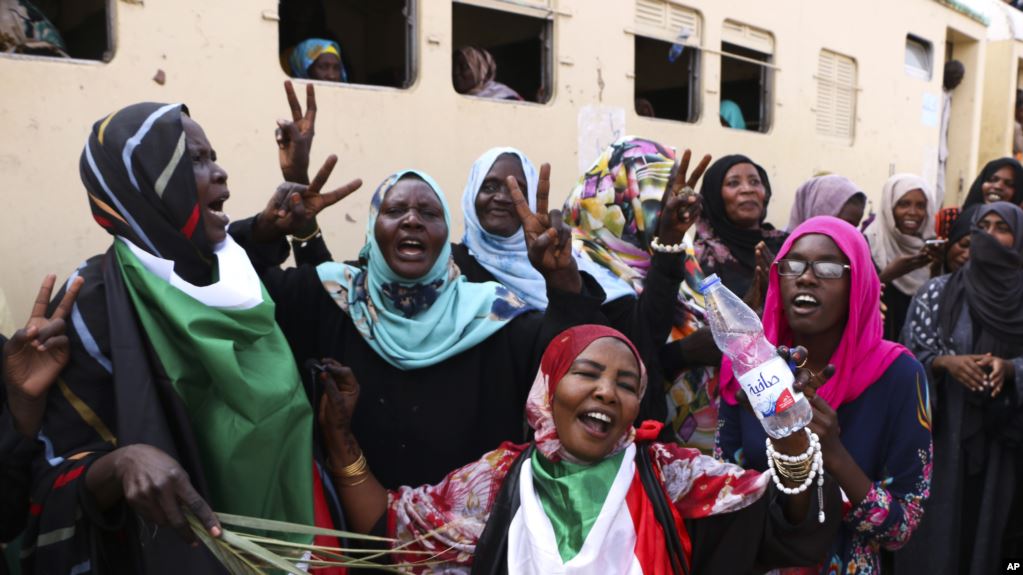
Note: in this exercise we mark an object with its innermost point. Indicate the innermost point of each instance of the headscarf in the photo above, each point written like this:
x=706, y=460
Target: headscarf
x=991, y=287
x=732, y=114
x=483, y=71
x=821, y=196
x=976, y=195
x=307, y=51
x=862, y=355
x=555, y=363
x=218, y=345
x=887, y=243
x=944, y=221
x=614, y=210
x=421, y=322
x=962, y=224
x=140, y=189
x=736, y=243
x=504, y=257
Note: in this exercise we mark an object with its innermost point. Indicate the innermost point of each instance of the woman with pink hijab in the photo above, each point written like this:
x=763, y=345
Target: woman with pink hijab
x=869, y=395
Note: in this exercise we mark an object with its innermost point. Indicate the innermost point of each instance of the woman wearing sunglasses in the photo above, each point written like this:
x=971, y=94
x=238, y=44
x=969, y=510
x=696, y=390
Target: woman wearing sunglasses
x=869, y=395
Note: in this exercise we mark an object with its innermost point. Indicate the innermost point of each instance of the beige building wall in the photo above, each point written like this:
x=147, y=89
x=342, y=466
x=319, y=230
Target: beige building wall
x=221, y=59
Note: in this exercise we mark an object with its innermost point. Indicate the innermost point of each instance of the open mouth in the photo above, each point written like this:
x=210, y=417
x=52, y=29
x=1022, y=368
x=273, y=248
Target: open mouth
x=597, y=423
x=411, y=248
x=216, y=209
x=805, y=303
x=994, y=197
x=910, y=224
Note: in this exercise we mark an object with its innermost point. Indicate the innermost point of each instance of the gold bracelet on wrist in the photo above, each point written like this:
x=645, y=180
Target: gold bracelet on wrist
x=309, y=237
x=357, y=469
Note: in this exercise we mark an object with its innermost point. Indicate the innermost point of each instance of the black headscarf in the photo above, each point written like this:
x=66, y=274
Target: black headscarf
x=976, y=196
x=141, y=186
x=741, y=242
x=990, y=286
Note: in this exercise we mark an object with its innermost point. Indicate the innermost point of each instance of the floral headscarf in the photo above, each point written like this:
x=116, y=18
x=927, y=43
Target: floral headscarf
x=613, y=212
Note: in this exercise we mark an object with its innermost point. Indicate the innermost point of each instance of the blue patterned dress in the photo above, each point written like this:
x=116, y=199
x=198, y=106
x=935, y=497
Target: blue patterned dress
x=887, y=431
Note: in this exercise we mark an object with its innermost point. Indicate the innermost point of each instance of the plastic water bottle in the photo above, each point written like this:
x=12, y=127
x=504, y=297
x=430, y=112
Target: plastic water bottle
x=763, y=374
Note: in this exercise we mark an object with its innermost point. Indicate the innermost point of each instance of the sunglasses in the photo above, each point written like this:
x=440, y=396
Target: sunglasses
x=823, y=270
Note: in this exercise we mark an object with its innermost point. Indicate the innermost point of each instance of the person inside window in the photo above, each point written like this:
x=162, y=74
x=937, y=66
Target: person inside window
x=318, y=59
x=473, y=73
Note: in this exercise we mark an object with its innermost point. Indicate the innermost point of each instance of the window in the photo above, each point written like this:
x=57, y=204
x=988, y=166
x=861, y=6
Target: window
x=375, y=38
x=502, y=50
x=836, y=95
x=80, y=29
x=919, y=57
x=667, y=61
x=746, y=77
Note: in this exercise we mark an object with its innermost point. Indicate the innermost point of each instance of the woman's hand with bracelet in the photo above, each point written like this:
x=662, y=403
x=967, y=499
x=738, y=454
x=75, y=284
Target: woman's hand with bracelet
x=363, y=498
x=337, y=407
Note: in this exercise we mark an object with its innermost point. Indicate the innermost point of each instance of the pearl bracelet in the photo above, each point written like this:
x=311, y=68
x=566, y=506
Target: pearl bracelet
x=671, y=249
x=780, y=464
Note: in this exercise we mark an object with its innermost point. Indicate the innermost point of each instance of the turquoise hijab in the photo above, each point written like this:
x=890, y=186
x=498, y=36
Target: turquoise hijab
x=416, y=323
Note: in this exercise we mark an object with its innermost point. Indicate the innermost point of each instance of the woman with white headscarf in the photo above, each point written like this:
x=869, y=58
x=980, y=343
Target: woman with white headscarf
x=897, y=241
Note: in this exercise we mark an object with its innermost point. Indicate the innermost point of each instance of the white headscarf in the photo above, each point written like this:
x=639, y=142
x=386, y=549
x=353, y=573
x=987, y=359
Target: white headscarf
x=504, y=258
x=887, y=243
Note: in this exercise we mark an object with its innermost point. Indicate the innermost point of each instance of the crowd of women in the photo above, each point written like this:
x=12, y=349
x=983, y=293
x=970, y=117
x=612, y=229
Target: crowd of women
x=480, y=402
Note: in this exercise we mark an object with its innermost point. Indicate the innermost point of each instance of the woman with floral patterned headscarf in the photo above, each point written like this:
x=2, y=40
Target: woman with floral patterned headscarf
x=590, y=493
x=613, y=211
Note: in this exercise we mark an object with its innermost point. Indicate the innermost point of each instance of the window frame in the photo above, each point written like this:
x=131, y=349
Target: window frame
x=112, y=45
x=640, y=29
x=538, y=9
x=412, y=64
x=767, y=68
x=928, y=47
x=853, y=89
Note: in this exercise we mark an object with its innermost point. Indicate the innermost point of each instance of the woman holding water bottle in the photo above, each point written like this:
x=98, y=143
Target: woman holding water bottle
x=869, y=396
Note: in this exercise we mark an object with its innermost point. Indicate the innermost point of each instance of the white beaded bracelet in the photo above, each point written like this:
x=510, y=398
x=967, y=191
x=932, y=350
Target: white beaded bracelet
x=816, y=469
x=672, y=249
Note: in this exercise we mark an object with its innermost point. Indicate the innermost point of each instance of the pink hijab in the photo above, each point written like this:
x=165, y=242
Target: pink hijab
x=862, y=356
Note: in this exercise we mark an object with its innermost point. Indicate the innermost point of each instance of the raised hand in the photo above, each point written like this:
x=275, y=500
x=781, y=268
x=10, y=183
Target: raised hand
x=548, y=239
x=36, y=354
x=680, y=205
x=341, y=394
x=293, y=208
x=295, y=137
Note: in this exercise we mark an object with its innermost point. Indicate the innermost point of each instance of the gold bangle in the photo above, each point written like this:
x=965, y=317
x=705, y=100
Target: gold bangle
x=359, y=482
x=309, y=237
x=359, y=467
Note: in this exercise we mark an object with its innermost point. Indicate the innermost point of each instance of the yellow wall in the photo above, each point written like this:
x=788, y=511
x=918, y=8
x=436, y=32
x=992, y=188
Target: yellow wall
x=221, y=59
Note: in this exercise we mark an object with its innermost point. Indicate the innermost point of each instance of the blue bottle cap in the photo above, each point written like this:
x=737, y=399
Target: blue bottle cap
x=708, y=282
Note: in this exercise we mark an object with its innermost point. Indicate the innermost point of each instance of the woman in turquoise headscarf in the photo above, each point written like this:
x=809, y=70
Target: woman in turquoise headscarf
x=445, y=364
